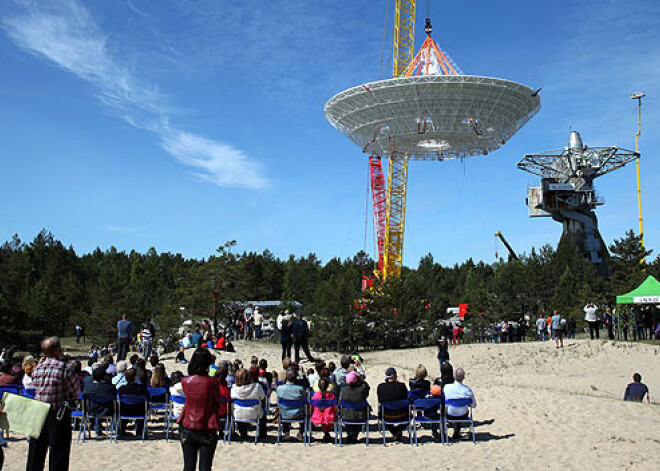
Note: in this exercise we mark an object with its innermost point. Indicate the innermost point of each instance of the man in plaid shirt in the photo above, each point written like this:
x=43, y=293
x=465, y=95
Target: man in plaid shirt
x=55, y=383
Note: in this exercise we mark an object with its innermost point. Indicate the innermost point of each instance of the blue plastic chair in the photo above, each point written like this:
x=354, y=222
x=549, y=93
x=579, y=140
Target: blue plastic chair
x=465, y=402
x=301, y=403
x=132, y=400
x=11, y=389
x=78, y=415
x=244, y=403
x=395, y=405
x=174, y=399
x=159, y=402
x=29, y=392
x=356, y=406
x=418, y=394
x=418, y=411
x=100, y=400
x=324, y=404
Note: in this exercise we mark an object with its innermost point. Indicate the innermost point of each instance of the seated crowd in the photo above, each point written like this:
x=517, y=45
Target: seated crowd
x=299, y=393
x=208, y=390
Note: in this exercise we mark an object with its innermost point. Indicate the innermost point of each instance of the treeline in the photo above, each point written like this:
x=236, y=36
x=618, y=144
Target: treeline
x=46, y=288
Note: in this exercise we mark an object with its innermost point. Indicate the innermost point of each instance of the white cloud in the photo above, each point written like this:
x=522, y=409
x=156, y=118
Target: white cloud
x=222, y=164
x=64, y=33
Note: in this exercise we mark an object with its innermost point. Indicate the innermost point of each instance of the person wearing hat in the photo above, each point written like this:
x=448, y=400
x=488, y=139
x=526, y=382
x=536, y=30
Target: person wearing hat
x=356, y=390
x=393, y=390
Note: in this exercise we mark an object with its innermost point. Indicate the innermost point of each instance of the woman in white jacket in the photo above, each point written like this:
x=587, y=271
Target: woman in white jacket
x=243, y=389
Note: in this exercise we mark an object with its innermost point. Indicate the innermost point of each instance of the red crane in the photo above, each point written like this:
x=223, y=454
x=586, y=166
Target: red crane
x=379, y=197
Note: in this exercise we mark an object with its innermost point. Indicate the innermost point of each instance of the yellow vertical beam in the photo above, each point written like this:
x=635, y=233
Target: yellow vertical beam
x=404, y=35
x=397, y=165
x=397, y=169
x=638, y=97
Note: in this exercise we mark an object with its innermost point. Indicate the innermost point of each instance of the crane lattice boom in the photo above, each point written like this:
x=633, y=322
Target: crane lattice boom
x=397, y=165
x=379, y=198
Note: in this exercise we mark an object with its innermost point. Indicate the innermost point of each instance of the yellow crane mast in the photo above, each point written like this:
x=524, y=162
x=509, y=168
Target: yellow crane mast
x=397, y=165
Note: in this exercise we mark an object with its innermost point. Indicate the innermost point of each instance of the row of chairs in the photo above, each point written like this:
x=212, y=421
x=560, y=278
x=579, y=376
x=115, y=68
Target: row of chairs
x=156, y=402
x=159, y=401
x=417, y=416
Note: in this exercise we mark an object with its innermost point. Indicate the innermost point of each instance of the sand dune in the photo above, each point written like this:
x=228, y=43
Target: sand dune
x=539, y=408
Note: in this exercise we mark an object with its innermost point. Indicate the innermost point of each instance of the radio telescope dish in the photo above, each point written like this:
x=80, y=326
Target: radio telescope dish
x=433, y=117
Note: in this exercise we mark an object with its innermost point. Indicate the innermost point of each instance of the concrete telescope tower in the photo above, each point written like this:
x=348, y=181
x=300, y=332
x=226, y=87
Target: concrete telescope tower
x=567, y=192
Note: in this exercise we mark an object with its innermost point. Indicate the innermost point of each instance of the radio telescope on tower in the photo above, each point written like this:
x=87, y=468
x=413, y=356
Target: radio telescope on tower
x=428, y=111
x=567, y=192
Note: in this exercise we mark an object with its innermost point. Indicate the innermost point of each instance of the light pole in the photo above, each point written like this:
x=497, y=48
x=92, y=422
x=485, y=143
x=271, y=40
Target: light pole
x=638, y=96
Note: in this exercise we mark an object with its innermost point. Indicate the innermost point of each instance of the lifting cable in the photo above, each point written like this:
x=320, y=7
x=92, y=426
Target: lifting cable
x=382, y=51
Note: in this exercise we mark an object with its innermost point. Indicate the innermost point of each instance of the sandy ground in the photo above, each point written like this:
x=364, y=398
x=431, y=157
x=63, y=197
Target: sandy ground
x=539, y=408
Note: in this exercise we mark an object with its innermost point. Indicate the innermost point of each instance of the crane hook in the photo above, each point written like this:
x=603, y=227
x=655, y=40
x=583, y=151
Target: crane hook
x=428, y=28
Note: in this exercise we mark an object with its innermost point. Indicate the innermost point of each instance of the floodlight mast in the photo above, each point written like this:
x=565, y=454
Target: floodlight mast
x=638, y=96
x=567, y=192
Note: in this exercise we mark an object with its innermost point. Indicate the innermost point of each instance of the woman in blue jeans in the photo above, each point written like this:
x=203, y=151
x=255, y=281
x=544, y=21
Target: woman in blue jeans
x=199, y=421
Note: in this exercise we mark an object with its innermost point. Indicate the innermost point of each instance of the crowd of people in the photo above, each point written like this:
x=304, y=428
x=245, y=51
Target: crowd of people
x=212, y=390
x=256, y=395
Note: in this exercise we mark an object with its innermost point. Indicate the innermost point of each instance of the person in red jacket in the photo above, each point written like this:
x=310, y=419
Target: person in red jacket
x=199, y=421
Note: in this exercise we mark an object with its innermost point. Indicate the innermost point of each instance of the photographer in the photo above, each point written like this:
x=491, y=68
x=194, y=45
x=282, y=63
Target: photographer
x=347, y=365
x=591, y=316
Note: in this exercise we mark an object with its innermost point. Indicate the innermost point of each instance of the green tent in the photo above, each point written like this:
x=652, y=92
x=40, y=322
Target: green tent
x=646, y=293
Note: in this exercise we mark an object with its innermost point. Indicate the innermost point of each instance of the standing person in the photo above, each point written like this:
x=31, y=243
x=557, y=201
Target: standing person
x=570, y=327
x=609, y=323
x=300, y=330
x=278, y=323
x=124, y=335
x=286, y=339
x=78, y=333
x=557, y=334
x=637, y=391
x=540, y=327
x=151, y=326
x=443, y=351
x=591, y=316
x=147, y=340
x=248, y=318
x=229, y=328
x=456, y=333
x=54, y=383
x=196, y=338
x=506, y=337
x=258, y=322
x=199, y=420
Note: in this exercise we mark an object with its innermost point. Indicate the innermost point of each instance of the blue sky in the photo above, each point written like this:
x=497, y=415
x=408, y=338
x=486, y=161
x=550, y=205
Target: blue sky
x=181, y=125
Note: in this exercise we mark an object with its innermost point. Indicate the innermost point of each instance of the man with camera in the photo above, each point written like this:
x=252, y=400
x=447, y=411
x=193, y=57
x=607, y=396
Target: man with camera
x=591, y=316
x=348, y=364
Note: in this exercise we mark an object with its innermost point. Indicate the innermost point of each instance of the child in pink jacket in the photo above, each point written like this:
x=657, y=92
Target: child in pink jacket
x=324, y=417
